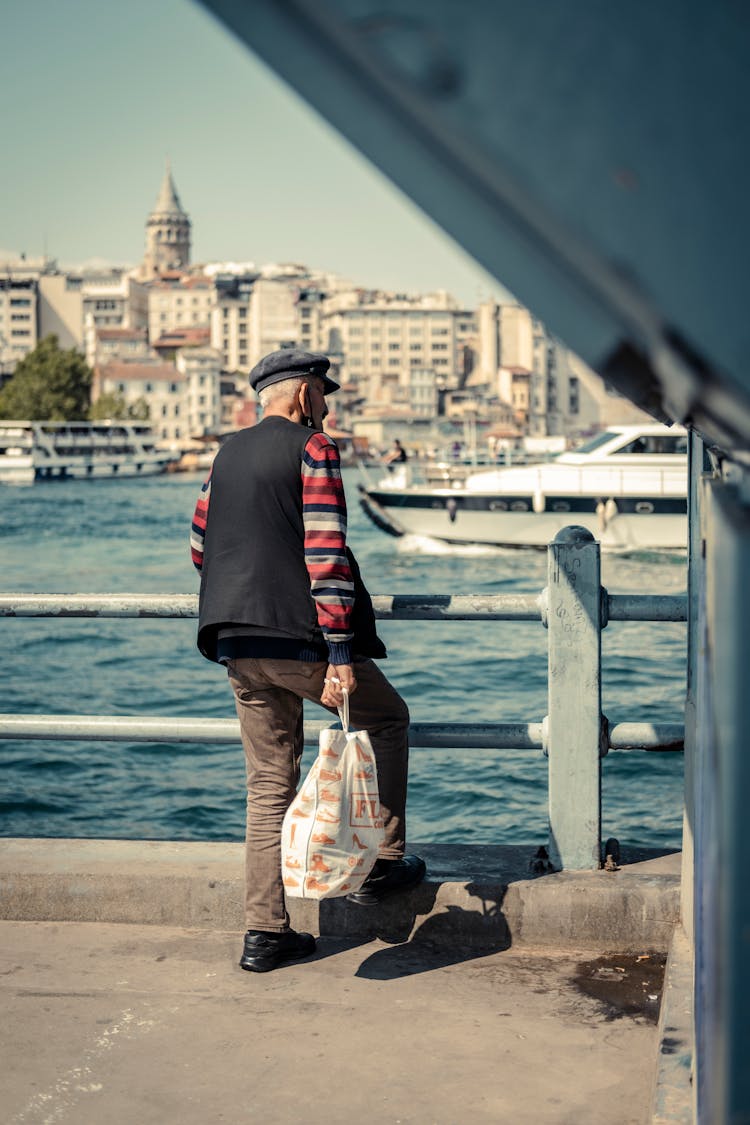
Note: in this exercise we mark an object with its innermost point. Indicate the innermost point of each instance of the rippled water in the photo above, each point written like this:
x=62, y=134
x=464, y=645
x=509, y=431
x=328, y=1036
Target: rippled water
x=127, y=536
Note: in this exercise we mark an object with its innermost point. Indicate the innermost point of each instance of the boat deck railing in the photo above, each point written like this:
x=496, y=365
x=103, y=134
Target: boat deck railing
x=596, y=479
x=574, y=735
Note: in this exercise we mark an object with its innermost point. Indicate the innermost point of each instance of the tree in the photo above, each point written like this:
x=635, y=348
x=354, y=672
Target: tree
x=49, y=384
x=139, y=411
x=112, y=405
x=108, y=405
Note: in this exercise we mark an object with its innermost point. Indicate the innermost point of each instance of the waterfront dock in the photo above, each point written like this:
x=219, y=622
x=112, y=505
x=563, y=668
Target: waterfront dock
x=492, y=993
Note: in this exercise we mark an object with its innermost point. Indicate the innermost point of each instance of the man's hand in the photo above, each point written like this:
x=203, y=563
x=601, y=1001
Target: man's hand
x=338, y=678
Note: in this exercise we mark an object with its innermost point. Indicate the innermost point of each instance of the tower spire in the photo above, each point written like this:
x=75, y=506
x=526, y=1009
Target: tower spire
x=168, y=202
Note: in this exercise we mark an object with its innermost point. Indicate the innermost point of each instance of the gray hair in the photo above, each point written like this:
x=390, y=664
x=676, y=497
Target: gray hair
x=285, y=388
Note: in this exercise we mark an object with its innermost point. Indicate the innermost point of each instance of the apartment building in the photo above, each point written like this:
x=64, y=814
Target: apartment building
x=19, y=296
x=201, y=370
x=110, y=300
x=184, y=398
x=122, y=343
x=310, y=303
x=550, y=390
x=178, y=300
x=75, y=306
x=161, y=385
x=252, y=316
x=383, y=338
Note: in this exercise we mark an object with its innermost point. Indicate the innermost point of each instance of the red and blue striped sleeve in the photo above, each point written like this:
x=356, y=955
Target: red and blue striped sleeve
x=198, y=527
x=324, y=516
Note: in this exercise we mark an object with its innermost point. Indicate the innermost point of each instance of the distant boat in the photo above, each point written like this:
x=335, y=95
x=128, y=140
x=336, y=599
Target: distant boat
x=32, y=451
x=628, y=486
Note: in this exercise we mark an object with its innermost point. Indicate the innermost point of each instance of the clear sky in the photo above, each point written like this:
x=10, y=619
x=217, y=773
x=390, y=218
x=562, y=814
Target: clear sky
x=97, y=94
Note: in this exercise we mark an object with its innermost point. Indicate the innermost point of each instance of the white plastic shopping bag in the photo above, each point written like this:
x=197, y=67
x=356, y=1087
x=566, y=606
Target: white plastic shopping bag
x=333, y=828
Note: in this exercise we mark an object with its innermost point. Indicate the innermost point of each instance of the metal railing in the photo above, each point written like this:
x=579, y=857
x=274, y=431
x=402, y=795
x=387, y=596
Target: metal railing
x=574, y=735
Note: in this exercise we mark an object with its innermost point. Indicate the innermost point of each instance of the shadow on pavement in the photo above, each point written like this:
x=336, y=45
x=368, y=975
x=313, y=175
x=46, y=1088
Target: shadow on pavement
x=447, y=934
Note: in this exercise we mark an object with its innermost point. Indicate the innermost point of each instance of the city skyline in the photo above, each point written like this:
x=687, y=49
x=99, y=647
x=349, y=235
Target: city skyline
x=101, y=97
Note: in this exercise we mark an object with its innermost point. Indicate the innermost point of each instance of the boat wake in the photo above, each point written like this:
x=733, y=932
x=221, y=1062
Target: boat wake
x=424, y=545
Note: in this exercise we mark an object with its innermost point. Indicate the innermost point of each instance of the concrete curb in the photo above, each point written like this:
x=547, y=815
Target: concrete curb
x=674, y=1096
x=481, y=896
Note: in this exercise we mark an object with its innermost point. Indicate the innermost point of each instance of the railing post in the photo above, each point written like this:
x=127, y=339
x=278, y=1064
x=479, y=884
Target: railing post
x=574, y=722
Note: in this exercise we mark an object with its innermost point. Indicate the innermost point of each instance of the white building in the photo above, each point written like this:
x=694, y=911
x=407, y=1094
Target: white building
x=184, y=398
x=161, y=385
x=382, y=338
x=110, y=300
x=76, y=305
x=253, y=316
x=201, y=370
x=18, y=318
x=550, y=390
x=122, y=343
x=179, y=301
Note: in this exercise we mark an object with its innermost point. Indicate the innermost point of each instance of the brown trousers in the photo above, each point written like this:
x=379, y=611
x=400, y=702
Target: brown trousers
x=268, y=696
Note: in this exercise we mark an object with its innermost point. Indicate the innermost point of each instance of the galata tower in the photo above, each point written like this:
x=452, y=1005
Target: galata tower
x=167, y=232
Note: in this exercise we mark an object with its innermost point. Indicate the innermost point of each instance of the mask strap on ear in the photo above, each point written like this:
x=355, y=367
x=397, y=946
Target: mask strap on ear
x=307, y=418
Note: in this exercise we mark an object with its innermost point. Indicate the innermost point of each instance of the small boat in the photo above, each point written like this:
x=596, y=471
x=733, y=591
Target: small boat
x=32, y=451
x=628, y=486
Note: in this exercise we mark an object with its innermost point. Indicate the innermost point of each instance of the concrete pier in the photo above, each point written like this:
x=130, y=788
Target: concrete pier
x=156, y=1025
x=493, y=993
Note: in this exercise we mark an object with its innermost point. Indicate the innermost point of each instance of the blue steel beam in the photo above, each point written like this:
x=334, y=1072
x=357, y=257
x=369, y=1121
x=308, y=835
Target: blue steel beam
x=592, y=156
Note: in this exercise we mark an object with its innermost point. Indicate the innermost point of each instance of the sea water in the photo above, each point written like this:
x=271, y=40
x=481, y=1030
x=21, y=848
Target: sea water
x=132, y=536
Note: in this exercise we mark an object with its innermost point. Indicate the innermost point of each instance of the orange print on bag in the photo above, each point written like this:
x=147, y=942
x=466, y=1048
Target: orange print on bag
x=330, y=775
x=364, y=809
x=321, y=838
x=313, y=884
x=327, y=817
x=317, y=864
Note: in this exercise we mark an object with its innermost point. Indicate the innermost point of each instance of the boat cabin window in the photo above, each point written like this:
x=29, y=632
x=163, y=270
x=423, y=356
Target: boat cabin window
x=657, y=443
x=595, y=442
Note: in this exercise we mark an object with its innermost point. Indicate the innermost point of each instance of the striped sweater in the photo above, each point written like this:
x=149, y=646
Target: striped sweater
x=324, y=519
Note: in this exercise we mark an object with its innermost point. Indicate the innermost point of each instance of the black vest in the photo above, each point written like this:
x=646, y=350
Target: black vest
x=254, y=574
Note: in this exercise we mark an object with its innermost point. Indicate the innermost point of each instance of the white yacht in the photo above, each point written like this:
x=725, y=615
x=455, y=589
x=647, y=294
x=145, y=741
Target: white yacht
x=32, y=451
x=628, y=486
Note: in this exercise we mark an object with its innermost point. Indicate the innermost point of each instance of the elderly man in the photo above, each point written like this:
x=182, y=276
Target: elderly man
x=283, y=607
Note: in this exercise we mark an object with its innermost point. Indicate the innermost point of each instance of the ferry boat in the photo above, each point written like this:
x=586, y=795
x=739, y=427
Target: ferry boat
x=628, y=486
x=32, y=451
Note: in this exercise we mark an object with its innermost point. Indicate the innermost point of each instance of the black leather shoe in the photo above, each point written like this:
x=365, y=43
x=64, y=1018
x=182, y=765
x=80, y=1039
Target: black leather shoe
x=387, y=877
x=264, y=951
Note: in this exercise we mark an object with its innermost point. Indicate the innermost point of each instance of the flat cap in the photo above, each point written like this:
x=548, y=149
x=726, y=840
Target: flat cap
x=291, y=364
